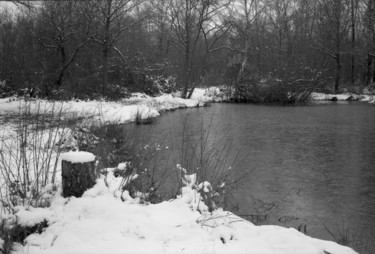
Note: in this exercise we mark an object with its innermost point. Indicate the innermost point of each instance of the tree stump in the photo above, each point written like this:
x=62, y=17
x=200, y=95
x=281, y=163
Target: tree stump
x=78, y=173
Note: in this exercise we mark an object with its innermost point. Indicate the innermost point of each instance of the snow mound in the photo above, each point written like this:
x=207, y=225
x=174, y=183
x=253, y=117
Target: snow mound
x=99, y=222
x=78, y=157
x=33, y=216
x=208, y=94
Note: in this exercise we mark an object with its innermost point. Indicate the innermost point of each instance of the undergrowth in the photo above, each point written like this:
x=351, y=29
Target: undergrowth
x=29, y=158
x=29, y=164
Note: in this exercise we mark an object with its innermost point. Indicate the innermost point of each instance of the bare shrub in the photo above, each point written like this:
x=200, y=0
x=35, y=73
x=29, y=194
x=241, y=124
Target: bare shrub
x=29, y=158
x=151, y=168
x=121, y=144
x=209, y=155
x=293, y=86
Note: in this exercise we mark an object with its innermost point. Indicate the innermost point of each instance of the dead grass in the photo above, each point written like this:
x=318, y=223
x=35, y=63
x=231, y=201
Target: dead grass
x=346, y=234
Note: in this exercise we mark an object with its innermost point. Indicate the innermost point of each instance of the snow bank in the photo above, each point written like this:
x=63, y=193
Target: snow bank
x=208, y=94
x=138, y=106
x=78, y=157
x=167, y=102
x=127, y=110
x=100, y=223
x=32, y=216
x=341, y=97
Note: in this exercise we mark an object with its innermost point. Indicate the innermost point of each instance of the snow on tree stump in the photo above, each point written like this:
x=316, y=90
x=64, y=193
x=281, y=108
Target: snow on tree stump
x=78, y=173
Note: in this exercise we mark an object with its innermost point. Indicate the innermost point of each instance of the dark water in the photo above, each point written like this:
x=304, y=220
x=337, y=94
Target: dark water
x=311, y=167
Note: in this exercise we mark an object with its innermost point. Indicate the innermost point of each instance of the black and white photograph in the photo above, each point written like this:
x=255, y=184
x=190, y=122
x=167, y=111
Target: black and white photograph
x=187, y=127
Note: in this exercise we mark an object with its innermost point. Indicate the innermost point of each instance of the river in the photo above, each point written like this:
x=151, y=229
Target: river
x=309, y=167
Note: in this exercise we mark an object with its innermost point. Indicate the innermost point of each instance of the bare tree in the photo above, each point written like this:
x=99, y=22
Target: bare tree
x=195, y=40
x=244, y=14
x=61, y=29
x=354, y=13
x=280, y=17
x=191, y=22
x=261, y=28
x=333, y=23
x=369, y=33
x=111, y=19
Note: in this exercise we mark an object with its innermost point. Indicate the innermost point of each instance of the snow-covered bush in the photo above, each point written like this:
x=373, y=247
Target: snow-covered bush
x=132, y=182
x=369, y=90
x=164, y=84
x=15, y=229
x=205, y=200
x=116, y=92
x=79, y=138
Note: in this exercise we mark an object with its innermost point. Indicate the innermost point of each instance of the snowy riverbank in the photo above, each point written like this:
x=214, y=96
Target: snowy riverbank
x=137, y=107
x=107, y=221
x=100, y=222
x=123, y=111
x=343, y=97
x=142, y=106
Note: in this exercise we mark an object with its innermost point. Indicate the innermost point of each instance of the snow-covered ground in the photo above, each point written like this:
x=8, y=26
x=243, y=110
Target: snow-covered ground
x=126, y=110
x=99, y=222
x=342, y=97
x=137, y=107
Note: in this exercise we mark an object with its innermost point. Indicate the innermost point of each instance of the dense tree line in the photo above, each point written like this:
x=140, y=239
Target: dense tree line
x=110, y=46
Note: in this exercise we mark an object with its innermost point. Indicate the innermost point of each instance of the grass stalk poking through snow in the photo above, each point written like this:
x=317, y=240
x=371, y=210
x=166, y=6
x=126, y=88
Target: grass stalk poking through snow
x=351, y=236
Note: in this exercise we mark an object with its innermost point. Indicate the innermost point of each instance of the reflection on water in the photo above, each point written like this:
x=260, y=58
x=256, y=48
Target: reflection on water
x=311, y=165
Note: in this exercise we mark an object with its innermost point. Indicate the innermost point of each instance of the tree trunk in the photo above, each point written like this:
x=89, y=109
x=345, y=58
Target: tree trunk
x=106, y=45
x=244, y=61
x=338, y=15
x=191, y=91
x=338, y=72
x=279, y=53
x=187, y=51
x=257, y=39
x=59, y=79
x=369, y=69
x=63, y=61
x=186, y=79
x=105, y=70
x=186, y=86
x=353, y=43
x=77, y=178
x=65, y=64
